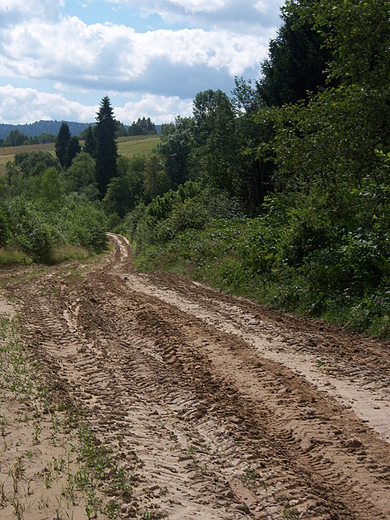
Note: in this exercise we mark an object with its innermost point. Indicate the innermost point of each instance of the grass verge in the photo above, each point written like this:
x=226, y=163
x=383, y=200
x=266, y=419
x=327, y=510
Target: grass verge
x=243, y=257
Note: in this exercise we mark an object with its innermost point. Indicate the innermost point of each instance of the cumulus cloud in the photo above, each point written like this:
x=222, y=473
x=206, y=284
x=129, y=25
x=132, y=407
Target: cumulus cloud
x=27, y=105
x=238, y=15
x=17, y=11
x=39, y=42
x=160, y=109
x=116, y=57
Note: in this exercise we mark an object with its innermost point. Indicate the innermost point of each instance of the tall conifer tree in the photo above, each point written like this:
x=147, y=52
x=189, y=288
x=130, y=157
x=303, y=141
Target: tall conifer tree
x=106, y=149
x=62, y=141
x=89, y=145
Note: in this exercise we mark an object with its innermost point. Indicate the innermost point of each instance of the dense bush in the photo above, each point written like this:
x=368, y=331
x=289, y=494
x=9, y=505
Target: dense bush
x=81, y=222
x=29, y=229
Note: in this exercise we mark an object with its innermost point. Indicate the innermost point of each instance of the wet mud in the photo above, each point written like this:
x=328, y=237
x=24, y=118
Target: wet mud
x=217, y=407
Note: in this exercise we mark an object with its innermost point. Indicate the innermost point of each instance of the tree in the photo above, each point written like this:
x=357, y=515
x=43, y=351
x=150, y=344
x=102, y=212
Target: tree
x=125, y=191
x=175, y=147
x=296, y=65
x=50, y=187
x=215, y=138
x=356, y=33
x=142, y=127
x=156, y=179
x=106, y=149
x=62, y=143
x=72, y=150
x=80, y=176
x=15, y=138
x=254, y=155
x=90, y=145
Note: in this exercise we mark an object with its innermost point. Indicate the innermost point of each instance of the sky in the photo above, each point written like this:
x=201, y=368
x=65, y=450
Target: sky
x=59, y=58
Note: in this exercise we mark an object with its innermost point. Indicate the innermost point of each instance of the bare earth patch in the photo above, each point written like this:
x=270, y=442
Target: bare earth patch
x=211, y=406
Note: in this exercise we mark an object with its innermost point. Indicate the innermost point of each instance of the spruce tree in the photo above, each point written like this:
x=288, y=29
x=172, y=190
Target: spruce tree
x=89, y=145
x=72, y=150
x=62, y=141
x=106, y=149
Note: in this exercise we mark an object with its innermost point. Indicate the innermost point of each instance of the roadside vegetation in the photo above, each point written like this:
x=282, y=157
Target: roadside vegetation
x=286, y=184
x=278, y=191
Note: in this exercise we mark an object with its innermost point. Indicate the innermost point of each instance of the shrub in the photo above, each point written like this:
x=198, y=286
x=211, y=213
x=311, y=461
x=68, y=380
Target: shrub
x=30, y=232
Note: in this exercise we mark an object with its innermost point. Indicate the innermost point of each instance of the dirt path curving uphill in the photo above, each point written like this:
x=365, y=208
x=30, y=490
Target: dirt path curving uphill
x=218, y=408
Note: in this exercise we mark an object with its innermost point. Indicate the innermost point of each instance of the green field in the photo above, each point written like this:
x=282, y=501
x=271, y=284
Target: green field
x=8, y=153
x=143, y=144
x=127, y=146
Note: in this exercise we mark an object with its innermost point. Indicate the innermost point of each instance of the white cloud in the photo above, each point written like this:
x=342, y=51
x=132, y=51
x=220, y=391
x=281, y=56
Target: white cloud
x=262, y=6
x=15, y=11
x=27, y=105
x=41, y=44
x=195, y=6
x=116, y=57
x=160, y=109
x=245, y=16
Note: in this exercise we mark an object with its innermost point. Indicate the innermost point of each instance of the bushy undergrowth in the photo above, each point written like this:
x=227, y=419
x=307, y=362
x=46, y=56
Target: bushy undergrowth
x=292, y=257
x=190, y=207
x=40, y=232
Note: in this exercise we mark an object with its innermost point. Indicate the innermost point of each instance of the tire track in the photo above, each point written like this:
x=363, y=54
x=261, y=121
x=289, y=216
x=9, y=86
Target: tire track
x=207, y=424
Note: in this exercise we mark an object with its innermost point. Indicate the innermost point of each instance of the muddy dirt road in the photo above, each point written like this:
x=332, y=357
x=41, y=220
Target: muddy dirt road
x=218, y=408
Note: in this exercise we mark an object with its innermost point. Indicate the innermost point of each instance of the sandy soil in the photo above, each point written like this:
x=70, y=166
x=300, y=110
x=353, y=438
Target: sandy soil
x=215, y=407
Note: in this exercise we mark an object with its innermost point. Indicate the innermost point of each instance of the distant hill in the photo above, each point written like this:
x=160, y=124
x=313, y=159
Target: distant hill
x=39, y=127
x=51, y=127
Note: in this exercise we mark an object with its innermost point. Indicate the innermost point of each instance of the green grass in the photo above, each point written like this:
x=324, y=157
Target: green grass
x=127, y=146
x=3, y=161
x=8, y=153
x=60, y=253
x=13, y=256
x=240, y=256
x=144, y=144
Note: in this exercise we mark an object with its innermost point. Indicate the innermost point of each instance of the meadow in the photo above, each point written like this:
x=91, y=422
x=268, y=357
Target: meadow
x=127, y=146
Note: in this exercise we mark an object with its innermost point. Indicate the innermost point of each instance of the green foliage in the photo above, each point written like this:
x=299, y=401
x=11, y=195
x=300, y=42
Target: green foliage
x=214, y=133
x=4, y=228
x=296, y=64
x=43, y=222
x=34, y=163
x=189, y=207
x=72, y=149
x=62, y=141
x=126, y=190
x=15, y=138
x=142, y=127
x=30, y=232
x=81, y=222
x=175, y=147
x=90, y=142
x=48, y=185
x=80, y=176
x=156, y=180
x=313, y=169
x=334, y=138
x=356, y=32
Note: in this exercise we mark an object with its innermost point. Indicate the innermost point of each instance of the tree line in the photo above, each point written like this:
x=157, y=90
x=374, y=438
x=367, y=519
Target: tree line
x=17, y=138
x=278, y=190
x=304, y=150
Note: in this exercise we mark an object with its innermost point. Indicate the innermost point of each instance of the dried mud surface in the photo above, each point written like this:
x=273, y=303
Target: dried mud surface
x=218, y=408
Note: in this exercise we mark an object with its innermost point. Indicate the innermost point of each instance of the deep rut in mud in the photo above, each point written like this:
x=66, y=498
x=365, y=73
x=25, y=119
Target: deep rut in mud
x=218, y=408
